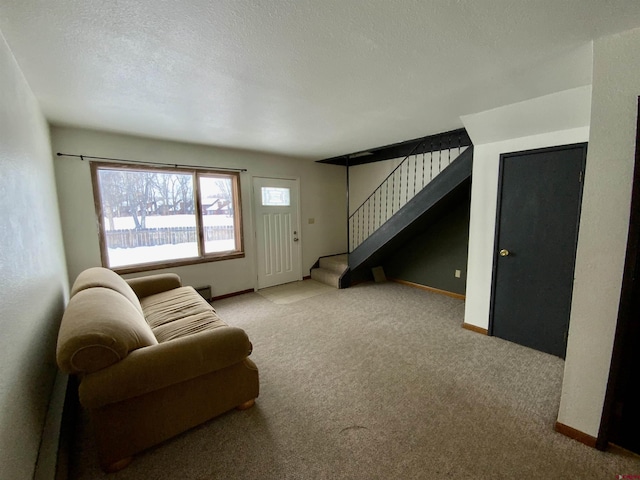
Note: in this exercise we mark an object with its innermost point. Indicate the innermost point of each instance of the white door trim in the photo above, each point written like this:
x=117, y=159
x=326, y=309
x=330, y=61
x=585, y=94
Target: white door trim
x=255, y=224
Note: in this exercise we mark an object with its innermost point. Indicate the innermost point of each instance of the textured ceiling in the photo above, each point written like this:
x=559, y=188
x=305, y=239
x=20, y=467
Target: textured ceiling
x=307, y=78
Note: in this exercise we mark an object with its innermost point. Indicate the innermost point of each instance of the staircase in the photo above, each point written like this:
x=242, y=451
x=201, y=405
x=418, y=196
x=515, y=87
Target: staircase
x=370, y=245
x=434, y=175
x=332, y=271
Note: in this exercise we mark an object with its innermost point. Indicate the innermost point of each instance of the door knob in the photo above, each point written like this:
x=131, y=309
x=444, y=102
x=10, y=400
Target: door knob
x=295, y=239
x=504, y=252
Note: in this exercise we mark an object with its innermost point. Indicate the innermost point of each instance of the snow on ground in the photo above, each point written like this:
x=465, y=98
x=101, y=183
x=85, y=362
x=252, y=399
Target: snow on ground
x=120, y=257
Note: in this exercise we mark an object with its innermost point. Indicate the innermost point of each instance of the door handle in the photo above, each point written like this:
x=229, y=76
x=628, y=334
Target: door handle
x=295, y=239
x=504, y=252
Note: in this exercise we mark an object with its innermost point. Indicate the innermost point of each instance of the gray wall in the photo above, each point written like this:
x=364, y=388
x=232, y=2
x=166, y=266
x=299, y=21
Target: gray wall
x=33, y=278
x=432, y=257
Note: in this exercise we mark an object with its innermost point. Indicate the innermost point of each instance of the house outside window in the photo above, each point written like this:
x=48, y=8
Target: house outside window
x=151, y=217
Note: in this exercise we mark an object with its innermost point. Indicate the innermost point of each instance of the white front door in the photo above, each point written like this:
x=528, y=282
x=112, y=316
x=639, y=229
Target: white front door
x=277, y=231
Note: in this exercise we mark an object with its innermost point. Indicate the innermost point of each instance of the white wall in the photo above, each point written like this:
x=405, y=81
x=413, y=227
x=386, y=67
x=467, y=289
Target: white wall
x=33, y=280
x=563, y=109
x=603, y=230
x=322, y=198
x=365, y=178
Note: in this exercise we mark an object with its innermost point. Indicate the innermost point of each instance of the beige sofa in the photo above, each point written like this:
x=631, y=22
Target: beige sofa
x=153, y=360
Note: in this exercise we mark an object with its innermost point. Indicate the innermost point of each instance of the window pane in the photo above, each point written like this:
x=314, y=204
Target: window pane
x=275, y=197
x=216, y=198
x=149, y=216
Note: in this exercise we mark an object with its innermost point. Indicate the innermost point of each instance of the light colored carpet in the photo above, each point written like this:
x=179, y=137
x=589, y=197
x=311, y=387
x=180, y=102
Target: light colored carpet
x=294, y=291
x=378, y=381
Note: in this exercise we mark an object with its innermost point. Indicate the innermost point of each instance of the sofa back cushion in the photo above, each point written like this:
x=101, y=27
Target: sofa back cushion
x=99, y=328
x=103, y=277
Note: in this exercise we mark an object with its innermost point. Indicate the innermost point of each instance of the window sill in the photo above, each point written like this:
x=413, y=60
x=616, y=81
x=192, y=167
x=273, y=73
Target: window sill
x=176, y=263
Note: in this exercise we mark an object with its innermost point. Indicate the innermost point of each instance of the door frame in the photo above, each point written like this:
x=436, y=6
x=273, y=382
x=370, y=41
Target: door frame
x=625, y=307
x=503, y=156
x=255, y=224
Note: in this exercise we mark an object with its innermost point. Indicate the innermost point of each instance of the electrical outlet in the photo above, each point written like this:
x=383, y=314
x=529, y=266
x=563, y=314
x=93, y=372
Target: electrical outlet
x=312, y=221
x=458, y=274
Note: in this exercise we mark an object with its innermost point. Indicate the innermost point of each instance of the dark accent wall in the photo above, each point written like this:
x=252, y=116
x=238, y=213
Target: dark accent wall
x=432, y=256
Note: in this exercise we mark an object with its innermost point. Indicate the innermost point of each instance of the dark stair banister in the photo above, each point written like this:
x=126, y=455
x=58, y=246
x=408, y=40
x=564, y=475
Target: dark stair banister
x=394, y=192
x=401, y=149
x=396, y=229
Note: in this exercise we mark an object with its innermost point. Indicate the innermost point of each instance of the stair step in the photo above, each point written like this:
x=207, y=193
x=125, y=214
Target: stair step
x=336, y=263
x=331, y=269
x=328, y=277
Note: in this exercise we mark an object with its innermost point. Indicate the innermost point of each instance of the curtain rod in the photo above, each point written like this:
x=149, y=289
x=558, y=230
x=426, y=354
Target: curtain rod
x=141, y=162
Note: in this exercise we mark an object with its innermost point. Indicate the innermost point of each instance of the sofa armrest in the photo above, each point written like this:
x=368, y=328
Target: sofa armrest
x=152, y=284
x=152, y=368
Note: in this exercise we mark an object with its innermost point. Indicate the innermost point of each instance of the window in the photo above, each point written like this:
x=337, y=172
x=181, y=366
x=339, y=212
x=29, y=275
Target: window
x=157, y=217
x=275, y=197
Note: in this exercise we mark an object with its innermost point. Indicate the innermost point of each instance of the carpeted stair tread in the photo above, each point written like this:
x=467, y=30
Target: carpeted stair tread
x=330, y=270
x=328, y=277
x=337, y=263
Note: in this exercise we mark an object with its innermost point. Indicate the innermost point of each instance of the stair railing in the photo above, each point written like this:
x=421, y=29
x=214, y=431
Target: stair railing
x=425, y=161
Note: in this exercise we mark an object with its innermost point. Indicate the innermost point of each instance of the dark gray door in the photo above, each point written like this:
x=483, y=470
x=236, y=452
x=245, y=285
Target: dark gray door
x=539, y=199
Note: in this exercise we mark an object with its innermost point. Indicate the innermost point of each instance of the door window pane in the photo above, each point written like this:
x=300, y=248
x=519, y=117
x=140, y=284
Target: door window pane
x=276, y=197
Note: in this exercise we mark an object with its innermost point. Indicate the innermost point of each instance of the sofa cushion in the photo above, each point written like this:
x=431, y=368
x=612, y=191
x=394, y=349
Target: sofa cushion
x=103, y=277
x=99, y=328
x=179, y=312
